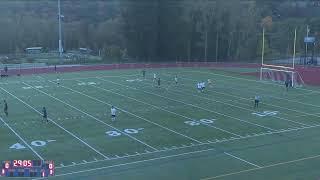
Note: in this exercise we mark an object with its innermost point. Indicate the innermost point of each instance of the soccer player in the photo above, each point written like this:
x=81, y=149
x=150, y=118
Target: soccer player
x=209, y=83
x=158, y=82
x=176, y=79
x=5, y=109
x=256, y=101
x=144, y=73
x=287, y=84
x=58, y=80
x=44, y=114
x=113, y=113
x=154, y=77
x=203, y=86
x=199, y=87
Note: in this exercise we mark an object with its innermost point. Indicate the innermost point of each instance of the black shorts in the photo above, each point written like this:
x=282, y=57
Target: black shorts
x=113, y=116
x=256, y=101
x=45, y=117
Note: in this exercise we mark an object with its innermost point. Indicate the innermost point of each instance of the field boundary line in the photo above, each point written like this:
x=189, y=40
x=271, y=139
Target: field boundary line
x=73, y=135
x=236, y=157
x=263, y=167
x=203, y=144
x=135, y=162
x=196, y=106
x=157, y=107
x=34, y=151
x=67, y=79
x=89, y=115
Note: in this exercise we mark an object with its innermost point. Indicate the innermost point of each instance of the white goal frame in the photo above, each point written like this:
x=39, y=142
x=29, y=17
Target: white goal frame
x=270, y=67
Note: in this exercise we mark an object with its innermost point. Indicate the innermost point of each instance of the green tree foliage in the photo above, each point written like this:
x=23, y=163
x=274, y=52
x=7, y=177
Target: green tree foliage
x=166, y=30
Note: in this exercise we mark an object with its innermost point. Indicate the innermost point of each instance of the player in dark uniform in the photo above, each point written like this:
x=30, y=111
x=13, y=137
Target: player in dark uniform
x=44, y=114
x=158, y=82
x=256, y=101
x=287, y=84
x=144, y=73
x=5, y=109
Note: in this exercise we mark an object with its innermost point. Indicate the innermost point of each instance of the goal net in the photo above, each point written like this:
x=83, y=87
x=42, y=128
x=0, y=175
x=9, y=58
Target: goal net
x=280, y=76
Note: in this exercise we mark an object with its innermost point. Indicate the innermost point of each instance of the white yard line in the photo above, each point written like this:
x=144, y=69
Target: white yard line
x=89, y=115
x=281, y=107
x=131, y=163
x=34, y=151
x=263, y=167
x=82, y=141
x=203, y=144
x=125, y=111
x=242, y=160
x=190, y=153
x=171, y=112
x=259, y=82
x=215, y=112
x=250, y=110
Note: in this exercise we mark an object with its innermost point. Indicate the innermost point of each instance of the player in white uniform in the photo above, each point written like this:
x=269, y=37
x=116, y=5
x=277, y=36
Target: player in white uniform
x=113, y=113
x=176, y=79
x=209, y=83
x=199, y=87
x=203, y=86
x=154, y=77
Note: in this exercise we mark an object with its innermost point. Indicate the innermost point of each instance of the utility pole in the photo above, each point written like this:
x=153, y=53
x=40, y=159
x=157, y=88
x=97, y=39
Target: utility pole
x=60, y=32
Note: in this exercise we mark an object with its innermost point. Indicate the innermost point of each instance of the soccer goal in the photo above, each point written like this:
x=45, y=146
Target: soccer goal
x=280, y=73
x=280, y=76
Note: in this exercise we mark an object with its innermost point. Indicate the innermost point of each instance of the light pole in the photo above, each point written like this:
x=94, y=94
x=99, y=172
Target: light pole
x=60, y=32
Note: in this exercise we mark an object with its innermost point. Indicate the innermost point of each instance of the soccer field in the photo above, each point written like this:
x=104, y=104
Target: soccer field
x=171, y=132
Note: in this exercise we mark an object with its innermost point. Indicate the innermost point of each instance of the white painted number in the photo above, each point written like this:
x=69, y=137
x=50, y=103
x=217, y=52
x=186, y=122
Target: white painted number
x=113, y=133
x=38, y=143
x=17, y=146
x=131, y=131
x=128, y=131
x=266, y=113
x=192, y=123
x=207, y=121
x=88, y=83
x=201, y=121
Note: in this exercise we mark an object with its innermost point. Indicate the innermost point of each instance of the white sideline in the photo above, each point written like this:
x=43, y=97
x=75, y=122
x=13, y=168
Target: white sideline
x=203, y=144
x=242, y=159
x=67, y=79
x=196, y=107
x=157, y=107
x=28, y=105
x=148, y=160
x=34, y=151
x=263, y=167
x=98, y=120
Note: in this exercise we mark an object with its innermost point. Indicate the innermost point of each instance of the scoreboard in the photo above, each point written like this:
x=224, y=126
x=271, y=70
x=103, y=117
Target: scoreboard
x=27, y=168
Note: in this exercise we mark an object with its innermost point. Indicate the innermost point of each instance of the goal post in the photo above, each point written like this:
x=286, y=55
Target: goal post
x=280, y=73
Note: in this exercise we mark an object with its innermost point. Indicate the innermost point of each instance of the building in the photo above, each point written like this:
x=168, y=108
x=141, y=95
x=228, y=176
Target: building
x=34, y=50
